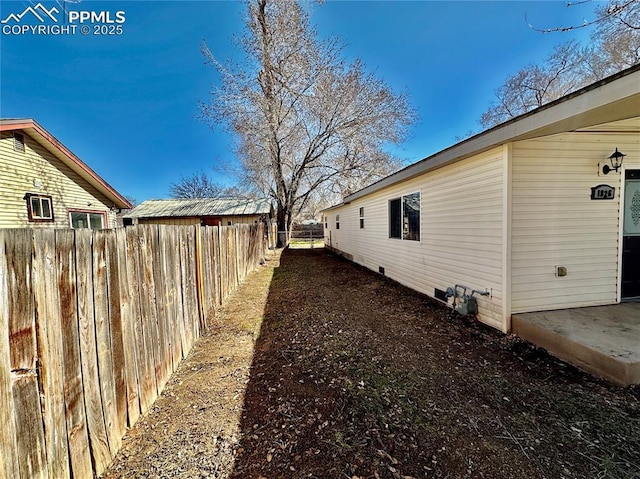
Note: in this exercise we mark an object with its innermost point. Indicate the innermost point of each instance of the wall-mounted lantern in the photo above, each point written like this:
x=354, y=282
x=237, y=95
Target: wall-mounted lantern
x=616, y=162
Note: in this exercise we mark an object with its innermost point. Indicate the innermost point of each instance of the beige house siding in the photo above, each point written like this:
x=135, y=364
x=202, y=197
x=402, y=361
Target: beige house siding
x=555, y=223
x=235, y=220
x=240, y=220
x=38, y=171
x=461, y=232
x=169, y=221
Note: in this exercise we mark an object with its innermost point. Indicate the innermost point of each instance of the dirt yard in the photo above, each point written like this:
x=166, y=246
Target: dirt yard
x=321, y=369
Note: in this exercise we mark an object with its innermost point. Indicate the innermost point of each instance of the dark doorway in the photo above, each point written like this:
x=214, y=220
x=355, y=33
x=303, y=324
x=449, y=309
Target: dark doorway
x=631, y=236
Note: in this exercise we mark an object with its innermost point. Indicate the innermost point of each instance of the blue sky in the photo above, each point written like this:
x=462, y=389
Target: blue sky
x=128, y=104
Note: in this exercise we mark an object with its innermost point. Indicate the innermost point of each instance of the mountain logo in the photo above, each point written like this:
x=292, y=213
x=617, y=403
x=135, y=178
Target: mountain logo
x=39, y=11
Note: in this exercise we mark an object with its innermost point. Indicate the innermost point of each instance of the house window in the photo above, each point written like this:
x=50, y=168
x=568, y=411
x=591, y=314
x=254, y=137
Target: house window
x=86, y=219
x=361, y=217
x=395, y=218
x=404, y=217
x=337, y=222
x=39, y=207
x=18, y=142
x=411, y=217
x=326, y=223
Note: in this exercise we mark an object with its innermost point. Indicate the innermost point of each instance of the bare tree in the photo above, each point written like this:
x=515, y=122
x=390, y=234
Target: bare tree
x=617, y=37
x=615, y=46
x=302, y=116
x=199, y=185
x=131, y=200
x=565, y=70
x=624, y=12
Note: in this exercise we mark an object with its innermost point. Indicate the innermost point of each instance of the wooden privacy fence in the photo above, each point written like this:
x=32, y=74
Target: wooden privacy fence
x=93, y=324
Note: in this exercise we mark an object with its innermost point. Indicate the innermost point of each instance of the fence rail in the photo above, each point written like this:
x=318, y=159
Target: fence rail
x=302, y=239
x=93, y=324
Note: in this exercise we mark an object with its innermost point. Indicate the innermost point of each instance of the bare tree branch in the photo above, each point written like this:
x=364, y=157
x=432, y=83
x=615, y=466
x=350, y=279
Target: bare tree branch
x=612, y=10
x=199, y=185
x=614, y=46
x=307, y=123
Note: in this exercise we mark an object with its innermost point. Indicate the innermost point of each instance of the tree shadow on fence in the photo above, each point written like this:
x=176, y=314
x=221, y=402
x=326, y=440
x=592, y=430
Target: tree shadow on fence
x=354, y=375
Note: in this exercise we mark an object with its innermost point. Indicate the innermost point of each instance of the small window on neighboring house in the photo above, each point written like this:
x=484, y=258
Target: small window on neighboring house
x=337, y=222
x=86, y=219
x=326, y=224
x=361, y=217
x=39, y=207
x=228, y=223
x=18, y=142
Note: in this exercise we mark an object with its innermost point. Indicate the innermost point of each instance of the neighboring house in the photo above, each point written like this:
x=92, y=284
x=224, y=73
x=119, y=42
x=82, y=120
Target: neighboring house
x=517, y=212
x=43, y=184
x=202, y=211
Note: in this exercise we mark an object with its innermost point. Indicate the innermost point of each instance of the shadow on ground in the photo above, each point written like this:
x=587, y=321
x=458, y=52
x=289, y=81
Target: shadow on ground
x=355, y=376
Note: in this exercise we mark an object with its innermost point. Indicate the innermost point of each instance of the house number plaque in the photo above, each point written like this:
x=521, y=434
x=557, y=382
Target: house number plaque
x=603, y=192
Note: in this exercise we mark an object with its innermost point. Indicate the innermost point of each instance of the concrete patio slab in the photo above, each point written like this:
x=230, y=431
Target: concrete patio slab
x=602, y=340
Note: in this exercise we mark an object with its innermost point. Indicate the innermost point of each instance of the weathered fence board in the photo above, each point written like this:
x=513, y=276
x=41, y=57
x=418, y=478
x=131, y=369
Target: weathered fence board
x=89, y=354
x=174, y=297
x=164, y=290
x=79, y=455
x=49, y=345
x=115, y=330
x=8, y=462
x=130, y=302
x=93, y=324
x=22, y=335
x=103, y=339
x=28, y=420
x=147, y=327
x=224, y=275
x=30, y=451
x=190, y=298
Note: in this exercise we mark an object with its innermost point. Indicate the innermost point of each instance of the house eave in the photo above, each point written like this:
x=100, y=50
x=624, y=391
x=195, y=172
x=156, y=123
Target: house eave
x=612, y=99
x=55, y=147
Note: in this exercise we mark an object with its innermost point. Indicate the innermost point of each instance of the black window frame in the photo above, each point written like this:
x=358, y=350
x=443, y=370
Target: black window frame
x=395, y=218
x=361, y=216
x=338, y=222
x=404, y=221
x=410, y=218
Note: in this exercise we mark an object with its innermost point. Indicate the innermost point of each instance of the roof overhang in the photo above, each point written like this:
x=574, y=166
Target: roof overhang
x=612, y=99
x=56, y=148
x=201, y=208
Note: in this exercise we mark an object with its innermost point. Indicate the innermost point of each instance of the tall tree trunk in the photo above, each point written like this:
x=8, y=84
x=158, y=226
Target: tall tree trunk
x=281, y=217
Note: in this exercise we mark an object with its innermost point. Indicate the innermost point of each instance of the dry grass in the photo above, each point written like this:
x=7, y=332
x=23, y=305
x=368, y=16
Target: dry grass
x=319, y=368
